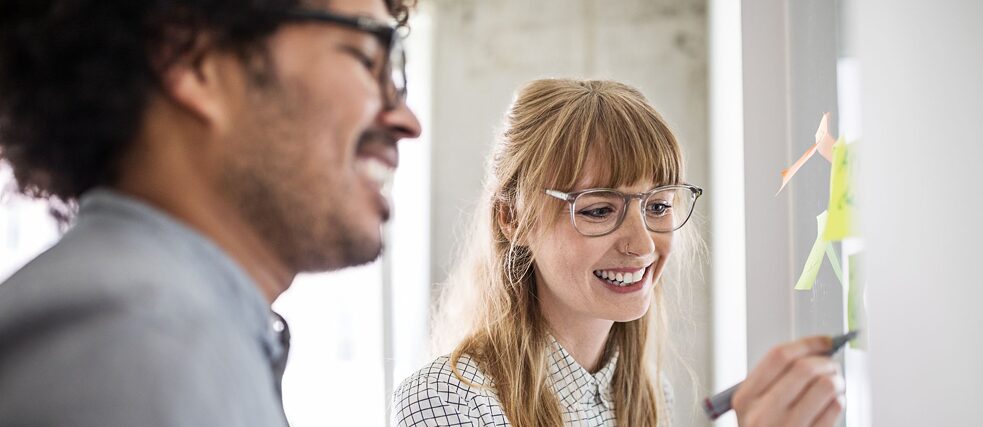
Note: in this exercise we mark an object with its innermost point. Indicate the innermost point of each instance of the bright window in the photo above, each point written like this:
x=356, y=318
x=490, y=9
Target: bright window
x=26, y=229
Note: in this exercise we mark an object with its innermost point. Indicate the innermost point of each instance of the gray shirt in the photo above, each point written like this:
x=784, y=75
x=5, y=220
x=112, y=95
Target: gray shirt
x=134, y=319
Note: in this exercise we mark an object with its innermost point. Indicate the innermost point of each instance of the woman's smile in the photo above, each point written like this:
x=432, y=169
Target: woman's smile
x=625, y=279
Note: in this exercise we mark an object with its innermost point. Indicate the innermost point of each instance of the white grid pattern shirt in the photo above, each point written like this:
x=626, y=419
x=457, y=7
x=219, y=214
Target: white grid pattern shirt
x=434, y=396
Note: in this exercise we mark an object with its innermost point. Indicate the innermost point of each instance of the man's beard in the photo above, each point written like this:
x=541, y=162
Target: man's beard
x=310, y=233
x=300, y=212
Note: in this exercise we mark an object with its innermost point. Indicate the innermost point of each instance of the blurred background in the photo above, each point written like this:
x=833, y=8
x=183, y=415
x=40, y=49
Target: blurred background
x=744, y=85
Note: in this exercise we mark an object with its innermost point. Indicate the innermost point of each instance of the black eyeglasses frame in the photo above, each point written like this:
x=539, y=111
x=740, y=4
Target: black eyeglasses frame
x=389, y=35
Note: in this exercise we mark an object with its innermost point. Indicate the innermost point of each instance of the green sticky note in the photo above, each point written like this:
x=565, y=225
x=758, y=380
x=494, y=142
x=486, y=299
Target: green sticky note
x=811, y=268
x=855, y=307
x=841, y=198
x=834, y=260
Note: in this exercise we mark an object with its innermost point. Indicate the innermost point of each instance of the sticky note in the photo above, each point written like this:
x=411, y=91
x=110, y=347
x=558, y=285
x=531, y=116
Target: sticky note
x=825, y=141
x=824, y=145
x=841, y=197
x=811, y=268
x=789, y=172
x=834, y=261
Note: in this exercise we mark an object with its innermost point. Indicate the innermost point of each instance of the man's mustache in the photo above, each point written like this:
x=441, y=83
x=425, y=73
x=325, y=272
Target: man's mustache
x=376, y=136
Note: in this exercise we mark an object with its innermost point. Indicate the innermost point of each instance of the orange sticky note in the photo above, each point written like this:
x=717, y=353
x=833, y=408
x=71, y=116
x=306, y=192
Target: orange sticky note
x=825, y=141
x=824, y=144
x=788, y=173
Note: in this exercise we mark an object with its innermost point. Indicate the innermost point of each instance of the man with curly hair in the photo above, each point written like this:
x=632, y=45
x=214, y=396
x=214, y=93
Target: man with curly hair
x=206, y=152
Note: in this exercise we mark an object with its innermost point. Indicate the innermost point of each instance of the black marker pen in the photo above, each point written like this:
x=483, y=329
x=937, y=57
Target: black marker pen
x=719, y=404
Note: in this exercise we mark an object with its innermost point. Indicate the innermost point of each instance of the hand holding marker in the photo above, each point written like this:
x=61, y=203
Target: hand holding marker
x=720, y=403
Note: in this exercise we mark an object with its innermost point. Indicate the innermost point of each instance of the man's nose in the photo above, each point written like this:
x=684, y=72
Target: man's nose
x=400, y=122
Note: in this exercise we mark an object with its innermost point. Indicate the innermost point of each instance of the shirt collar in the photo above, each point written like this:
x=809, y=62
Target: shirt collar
x=238, y=290
x=574, y=385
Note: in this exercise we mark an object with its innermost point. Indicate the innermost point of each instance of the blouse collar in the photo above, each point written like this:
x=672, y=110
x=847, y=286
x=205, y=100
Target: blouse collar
x=574, y=385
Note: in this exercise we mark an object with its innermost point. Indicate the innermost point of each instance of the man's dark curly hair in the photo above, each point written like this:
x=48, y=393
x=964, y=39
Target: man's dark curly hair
x=76, y=75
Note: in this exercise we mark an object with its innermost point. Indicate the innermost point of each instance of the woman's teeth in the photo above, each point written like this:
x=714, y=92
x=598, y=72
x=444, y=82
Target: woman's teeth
x=618, y=278
x=375, y=170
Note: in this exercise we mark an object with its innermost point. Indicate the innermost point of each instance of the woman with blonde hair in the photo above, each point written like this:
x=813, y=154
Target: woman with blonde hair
x=560, y=286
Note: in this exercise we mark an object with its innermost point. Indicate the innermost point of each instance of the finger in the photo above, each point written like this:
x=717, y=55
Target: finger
x=777, y=361
x=794, y=382
x=821, y=393
x=831, y=413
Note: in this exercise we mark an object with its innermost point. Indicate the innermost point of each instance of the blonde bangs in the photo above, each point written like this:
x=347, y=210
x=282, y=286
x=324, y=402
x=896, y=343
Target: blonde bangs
x=604, y=128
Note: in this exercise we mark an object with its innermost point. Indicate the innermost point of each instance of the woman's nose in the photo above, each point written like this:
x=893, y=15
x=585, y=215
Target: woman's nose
x=636, y=237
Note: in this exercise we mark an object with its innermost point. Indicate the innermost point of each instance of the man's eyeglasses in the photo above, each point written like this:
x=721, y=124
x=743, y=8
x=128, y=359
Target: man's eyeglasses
x=600, y=211
x=392, y=79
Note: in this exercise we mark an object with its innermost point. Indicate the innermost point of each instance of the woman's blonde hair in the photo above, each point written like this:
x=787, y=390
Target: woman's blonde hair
x=551, y=130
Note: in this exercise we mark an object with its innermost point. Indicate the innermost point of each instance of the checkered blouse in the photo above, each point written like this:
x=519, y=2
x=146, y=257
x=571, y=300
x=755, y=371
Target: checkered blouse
x=434, y=396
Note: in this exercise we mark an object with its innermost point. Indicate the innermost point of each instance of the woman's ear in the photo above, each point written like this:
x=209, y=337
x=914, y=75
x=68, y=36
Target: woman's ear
x=506, y=216
x=503, y=215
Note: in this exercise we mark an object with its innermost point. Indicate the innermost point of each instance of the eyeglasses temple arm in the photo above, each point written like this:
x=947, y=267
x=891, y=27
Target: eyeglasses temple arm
x=559, y=195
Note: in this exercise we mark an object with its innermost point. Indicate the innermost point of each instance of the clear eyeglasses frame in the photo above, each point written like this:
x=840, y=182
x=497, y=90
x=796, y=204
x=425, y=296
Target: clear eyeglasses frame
x=600, y=211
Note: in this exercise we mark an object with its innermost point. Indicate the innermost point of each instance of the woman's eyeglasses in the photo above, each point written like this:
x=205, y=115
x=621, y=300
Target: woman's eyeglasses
x=600, y=211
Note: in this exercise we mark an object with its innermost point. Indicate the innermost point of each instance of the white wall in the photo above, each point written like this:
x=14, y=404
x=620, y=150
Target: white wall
x=484, y=50
x=922, y=88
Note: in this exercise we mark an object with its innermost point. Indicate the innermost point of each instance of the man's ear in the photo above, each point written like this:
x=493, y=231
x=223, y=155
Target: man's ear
x=198, y=82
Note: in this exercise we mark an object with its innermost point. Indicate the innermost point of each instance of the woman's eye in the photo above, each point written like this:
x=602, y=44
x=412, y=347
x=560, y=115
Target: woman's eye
x=596, y=212
x=658, y=208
